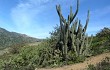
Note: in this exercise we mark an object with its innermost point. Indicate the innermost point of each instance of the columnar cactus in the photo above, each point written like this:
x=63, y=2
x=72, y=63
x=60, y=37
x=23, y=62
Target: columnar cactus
x=72, y=36
x=80, y=42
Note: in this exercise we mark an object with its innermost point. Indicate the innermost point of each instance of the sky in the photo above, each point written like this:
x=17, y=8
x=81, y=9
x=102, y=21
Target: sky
x=37, y=18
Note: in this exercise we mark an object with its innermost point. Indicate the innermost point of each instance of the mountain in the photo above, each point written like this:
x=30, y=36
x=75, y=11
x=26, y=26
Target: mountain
x=12, y=38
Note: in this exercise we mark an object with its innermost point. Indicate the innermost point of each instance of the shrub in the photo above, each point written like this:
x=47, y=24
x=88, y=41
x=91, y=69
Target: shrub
x=103, y=65
x=101, y=42
x=16, y=48
x=30, y=57
x=91, y=67
x=105, y=32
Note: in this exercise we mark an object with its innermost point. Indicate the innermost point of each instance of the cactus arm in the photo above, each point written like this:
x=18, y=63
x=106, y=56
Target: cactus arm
x=87, y=21
x=74, y=26
x=78, y=46
x=91, y=40
x=82, y=44
x=73, y=16
x=58, y=8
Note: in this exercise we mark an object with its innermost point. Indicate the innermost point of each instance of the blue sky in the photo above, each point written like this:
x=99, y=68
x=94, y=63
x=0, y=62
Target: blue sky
x=37, y=18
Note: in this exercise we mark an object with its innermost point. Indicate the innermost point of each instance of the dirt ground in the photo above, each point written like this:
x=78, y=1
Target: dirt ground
x=82, y=66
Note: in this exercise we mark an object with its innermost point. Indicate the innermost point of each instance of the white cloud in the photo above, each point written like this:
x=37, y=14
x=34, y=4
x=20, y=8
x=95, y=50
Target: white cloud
x=25, y=13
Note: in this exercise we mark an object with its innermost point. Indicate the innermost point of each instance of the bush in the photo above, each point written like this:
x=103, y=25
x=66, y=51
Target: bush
x=91, y=67
x=16, y=48
x=101, y=42
x=103, y=65
x=30, y=57
x=72, y=58
x=105, y=32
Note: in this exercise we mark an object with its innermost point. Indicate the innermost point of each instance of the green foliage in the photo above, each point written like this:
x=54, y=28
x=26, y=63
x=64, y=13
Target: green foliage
x=43, y=55
x=68, y=44
x=91, y=67
x=103, y=65
x=15, y=49
x=32, y=56
x=55, y=34
x=101, y=42
x=105, y=32
x=1, y=64
x=72, y=58
x=21, y=61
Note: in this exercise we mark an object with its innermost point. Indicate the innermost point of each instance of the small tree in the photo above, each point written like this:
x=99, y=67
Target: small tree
x=105, y=32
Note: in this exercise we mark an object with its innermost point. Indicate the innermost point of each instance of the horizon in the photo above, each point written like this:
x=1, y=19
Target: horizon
x=36, y=18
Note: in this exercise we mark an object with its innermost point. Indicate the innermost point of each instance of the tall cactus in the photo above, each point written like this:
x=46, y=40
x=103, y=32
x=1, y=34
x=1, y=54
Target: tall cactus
x=80, y=41
x=72, y=34
x=64, y=28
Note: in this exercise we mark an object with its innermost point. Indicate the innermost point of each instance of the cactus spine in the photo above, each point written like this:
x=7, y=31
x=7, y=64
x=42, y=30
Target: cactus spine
x=73, y=36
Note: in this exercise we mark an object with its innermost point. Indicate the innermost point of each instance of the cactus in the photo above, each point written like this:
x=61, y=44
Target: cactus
x=72, y=34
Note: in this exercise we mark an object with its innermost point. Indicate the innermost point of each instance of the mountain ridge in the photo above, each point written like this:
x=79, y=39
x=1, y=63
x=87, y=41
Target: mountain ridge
x=8, y=38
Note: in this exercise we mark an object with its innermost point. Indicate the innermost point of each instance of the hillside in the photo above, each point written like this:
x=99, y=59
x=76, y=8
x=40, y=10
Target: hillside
x=43, y=56
x=70, y=46
x=12, y=38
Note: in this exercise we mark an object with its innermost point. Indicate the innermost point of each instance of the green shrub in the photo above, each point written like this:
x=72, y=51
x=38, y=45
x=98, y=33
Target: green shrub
x=91, y=67
x=101, y=42
x=30, y=57
x=103, y=65
x=1, y=64
x=15, y=48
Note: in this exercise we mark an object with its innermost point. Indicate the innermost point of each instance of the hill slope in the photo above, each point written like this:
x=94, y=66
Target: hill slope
x=12, y=38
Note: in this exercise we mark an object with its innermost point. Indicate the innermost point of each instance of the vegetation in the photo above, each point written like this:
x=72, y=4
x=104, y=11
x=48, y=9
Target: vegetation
x=101, y=42
x=72, y=37
x=68, y=44
x=43, y=55
x=31, y=57
x=103, y=65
